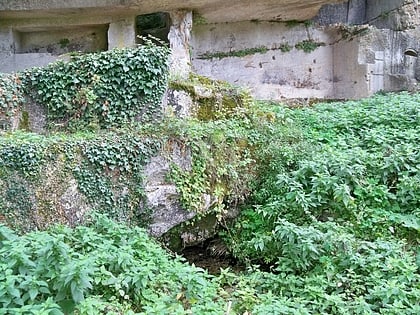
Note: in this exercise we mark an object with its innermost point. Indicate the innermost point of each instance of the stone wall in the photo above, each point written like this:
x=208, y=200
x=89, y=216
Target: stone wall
x=36, y=42
x=271, y=57
x=263, y=57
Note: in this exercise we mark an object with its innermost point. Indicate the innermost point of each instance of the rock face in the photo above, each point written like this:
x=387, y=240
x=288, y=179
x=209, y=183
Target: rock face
x=162, y=197
x=249, y=43
x=214, y=11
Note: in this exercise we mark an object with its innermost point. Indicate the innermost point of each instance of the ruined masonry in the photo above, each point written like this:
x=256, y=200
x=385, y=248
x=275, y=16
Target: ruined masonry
x=279, y=49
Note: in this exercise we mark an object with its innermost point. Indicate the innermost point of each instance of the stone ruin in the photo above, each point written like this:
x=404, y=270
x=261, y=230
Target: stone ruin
x=278, y=49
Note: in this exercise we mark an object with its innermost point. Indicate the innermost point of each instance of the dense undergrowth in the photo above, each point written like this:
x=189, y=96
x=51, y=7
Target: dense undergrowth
x=76, y=136
x=336, y=217
x=330, y=226
x=101, y=268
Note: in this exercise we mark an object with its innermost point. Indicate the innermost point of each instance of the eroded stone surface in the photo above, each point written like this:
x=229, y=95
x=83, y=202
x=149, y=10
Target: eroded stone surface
x=210, y=10
x=73, y=204
x=162, y=198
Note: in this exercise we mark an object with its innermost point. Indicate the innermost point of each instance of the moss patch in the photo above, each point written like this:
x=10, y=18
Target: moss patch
x=213, y=99
x=24, y=121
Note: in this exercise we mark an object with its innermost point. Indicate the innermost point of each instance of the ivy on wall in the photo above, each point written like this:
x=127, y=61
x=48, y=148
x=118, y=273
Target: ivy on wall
x=92, y=170
x=36, y=171
x=11, y=99
x=101, y=90
x=58, y=177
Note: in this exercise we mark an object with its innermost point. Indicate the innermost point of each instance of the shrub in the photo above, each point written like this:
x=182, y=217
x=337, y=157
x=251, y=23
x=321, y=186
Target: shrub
x=337, y=222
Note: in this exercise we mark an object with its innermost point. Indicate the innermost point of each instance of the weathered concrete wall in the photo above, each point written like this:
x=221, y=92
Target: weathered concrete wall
x=350, y=79
x=354, y=61
x=401, y=70
x=350, y=12
x=377, y=62
x=389, y=14
x=393, y=14
x=260, y=55
x=17, y=62
x=376, y=8
x=37, y=42
x=22, y=48
x=274, y=73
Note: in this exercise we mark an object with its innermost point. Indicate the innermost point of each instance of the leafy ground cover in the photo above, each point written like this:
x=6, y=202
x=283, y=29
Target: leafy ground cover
x=331, y=226
x=101, y=268
x=338, y=220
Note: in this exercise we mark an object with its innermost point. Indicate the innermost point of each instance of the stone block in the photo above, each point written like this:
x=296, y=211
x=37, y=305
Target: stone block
x=122, y=33
x=356, y=12
x=332, y=13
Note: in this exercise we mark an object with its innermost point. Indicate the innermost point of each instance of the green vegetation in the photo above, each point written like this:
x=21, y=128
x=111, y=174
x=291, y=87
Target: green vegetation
x=235, y=53
x=294, y=23
x=102, y=268
x=285, y=47
x=349, y=32
x=336, y=217
x=64, y=42
x=101, y=90
x=308, y=45
x=330, y=196
x=330, y=227
x=198, y=19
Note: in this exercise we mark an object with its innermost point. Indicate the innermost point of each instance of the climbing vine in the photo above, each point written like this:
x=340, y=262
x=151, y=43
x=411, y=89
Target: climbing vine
x=104, y=168
x=101, y=90
x=11, y=98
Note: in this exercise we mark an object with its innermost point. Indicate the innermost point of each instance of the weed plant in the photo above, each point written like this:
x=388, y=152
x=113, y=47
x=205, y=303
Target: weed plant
x=330, y=225
x=337, y=221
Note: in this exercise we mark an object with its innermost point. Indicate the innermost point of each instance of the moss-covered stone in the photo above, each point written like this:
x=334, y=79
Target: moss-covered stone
x=191, y=233
x=212, y=99
x=24, y=121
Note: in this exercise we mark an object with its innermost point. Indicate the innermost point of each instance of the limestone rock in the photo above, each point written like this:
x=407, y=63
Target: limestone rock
x=73, y=204
x=179, y=102
x=36, y=115
x=162, y=198
x=210, y=10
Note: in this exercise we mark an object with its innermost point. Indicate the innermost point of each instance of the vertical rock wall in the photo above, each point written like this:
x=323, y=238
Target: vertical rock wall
x=179, y=38
x=267, y=57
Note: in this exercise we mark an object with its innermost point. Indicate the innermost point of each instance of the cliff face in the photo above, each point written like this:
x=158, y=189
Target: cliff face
x=210, y=10
x=277, y=48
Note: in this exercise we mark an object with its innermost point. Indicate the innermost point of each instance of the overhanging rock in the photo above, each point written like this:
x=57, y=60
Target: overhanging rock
x=276, y=48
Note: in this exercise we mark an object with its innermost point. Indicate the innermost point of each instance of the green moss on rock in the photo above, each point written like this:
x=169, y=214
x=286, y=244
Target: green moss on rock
x=24, y=121
x=213, y=99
